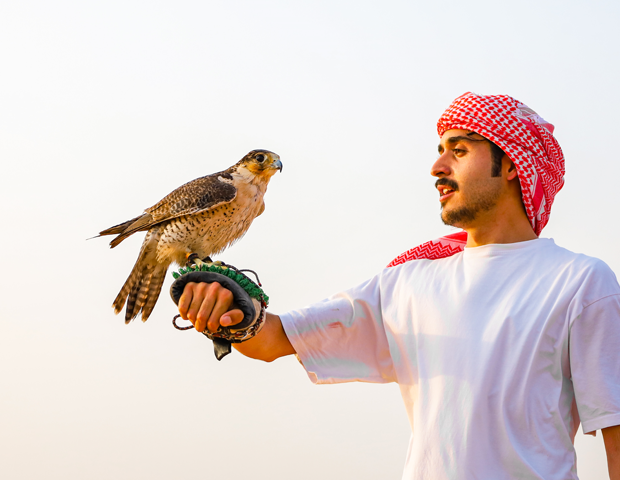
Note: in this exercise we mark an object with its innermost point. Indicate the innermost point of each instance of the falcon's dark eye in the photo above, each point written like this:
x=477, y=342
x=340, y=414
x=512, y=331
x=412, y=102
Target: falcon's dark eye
x=260, y=158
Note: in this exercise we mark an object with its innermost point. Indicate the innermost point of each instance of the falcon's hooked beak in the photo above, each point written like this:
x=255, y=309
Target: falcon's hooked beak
x=278, y=164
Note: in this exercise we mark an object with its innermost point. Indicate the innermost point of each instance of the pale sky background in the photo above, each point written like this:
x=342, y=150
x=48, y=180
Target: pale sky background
x=105, y=107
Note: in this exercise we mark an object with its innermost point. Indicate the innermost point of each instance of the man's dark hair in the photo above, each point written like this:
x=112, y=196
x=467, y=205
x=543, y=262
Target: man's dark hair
x=496, y=154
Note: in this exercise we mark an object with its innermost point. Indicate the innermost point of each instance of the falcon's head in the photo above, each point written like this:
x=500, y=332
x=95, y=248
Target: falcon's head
x=262, y=163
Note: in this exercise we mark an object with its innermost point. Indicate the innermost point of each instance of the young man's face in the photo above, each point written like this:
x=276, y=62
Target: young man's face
x=467, y=190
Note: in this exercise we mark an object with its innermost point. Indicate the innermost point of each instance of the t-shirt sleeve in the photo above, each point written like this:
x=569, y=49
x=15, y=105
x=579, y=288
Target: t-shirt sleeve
x=594, y=348
x=342, y=338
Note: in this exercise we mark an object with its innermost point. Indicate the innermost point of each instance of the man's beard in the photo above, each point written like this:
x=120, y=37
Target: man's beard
x=479, y=202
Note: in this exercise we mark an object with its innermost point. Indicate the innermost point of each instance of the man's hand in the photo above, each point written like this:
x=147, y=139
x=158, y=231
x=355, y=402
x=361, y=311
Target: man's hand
x=208, y=305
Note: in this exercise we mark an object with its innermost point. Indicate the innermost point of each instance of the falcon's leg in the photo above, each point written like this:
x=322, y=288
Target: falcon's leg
x=194, y=259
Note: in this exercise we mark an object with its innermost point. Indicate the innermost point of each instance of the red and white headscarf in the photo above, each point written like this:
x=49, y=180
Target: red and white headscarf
x=525, y=137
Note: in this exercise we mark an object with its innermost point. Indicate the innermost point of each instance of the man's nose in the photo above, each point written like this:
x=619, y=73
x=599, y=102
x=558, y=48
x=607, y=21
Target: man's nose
x=441, y=168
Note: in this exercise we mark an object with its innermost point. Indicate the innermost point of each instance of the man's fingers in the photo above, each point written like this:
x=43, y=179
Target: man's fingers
x=186, y=299
x=231, y=318
x=200, y=311
x=224, y=301
x=207, y=306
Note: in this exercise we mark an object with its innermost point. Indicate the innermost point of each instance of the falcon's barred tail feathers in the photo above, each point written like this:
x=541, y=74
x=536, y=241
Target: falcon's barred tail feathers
x=203, y=216
x=142, y=287
x=125, y=229
x=117, y=229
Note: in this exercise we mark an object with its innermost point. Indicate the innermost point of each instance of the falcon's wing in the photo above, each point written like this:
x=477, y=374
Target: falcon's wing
x=196, y=196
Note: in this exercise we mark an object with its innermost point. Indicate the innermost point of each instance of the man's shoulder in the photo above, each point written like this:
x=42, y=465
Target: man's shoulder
x=420, y=270
x=579, y=260
x=593, y=274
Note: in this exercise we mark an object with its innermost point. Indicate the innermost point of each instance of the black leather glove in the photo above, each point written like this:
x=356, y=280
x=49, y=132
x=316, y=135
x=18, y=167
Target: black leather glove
x=248, y=297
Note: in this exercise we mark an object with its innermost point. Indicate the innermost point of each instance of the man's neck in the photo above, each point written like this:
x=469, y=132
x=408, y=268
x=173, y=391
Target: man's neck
x=507, y=227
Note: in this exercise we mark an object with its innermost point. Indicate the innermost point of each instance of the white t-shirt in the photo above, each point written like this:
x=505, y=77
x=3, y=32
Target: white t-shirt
x=491, y=348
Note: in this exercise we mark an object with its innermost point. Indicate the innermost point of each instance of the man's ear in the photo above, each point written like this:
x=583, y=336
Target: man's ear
x=510, y=168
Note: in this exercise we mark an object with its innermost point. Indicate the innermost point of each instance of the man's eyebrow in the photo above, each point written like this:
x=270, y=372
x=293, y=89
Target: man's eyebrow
x=460, y=138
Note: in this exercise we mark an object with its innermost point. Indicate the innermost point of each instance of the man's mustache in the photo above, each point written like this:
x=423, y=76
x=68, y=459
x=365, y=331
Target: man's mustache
x=447, y=183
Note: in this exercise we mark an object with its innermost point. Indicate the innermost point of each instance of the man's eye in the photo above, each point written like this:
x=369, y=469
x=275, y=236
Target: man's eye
x=458, y=152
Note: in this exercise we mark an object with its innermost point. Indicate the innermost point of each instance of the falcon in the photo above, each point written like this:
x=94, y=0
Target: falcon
x=202, y=217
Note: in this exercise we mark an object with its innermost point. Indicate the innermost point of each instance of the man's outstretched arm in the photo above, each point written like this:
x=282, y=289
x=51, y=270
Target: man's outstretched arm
x=611, y=437
x=208, y=305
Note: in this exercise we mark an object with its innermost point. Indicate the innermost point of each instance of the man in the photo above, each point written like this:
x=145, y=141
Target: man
x=501, y=344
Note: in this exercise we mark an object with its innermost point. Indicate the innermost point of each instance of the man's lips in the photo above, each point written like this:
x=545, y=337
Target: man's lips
x=446, y=188
x=444, y=196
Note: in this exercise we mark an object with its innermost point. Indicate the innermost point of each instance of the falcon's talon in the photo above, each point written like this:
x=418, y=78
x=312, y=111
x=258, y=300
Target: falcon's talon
x=190, y=259
x=195, y=259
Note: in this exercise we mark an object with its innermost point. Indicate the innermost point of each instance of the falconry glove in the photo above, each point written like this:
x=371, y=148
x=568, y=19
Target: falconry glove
x=248, y=297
